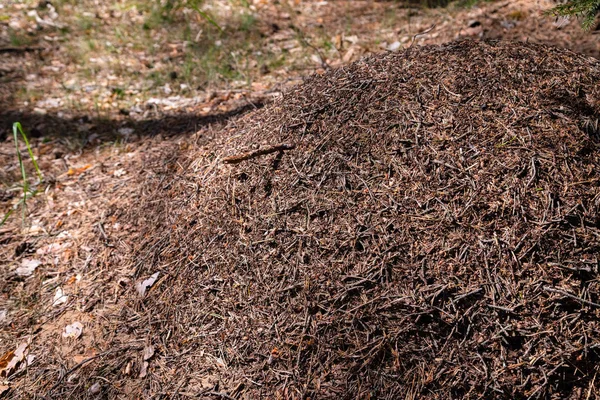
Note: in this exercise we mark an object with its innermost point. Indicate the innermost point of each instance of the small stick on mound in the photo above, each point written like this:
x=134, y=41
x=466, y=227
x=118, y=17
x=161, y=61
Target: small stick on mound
x=257, y=153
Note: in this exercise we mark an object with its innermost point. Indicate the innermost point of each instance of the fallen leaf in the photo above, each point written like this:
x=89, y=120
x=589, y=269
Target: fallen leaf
x=29, y=360
x=4, y=389
x=64, y=235
x=348, y=56
x=10, y=360
x=54, y=248
x=73, y=331
x=59, y=297
x=144, y=369
x=119, y=172
x=208, y=382
x=27, y=267
x=316, y=59
x=352, y=39
x=148, y=352
x=78, y=171
x=128, y=368
x=33, y=229
x=3, y=314
x=5, y=359
x=142, y=286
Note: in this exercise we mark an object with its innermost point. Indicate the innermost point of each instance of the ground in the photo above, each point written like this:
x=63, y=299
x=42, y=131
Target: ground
x=109, y=94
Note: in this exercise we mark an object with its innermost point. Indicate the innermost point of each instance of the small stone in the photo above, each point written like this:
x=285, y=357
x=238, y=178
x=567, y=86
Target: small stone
x=394, y=46
x=95, y=389
x=508, y=25
x=126, y=131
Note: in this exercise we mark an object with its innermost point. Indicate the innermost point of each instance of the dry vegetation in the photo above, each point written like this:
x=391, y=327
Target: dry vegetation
x=421, y=223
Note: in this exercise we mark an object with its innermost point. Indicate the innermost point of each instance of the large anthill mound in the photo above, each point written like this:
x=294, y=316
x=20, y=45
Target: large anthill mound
x=434, y=233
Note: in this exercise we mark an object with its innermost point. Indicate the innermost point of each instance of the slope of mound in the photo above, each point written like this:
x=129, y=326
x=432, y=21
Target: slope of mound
x=433, y=233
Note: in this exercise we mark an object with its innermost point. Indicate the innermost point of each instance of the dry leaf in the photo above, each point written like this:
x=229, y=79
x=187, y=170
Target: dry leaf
x=27, y=267
x=119, y=173
x=54, y=248
x=148, y=352
x=5, y=359
x=128, y=368
x=34, y=229
x=144, y=369
x=73, y=331
x=77, y=171
x=352, y=39
x=4, y=389
x=59, y=297
x=316, y=59
x=29, y=359
x=142, y=286
x=10, y=360
x=348, y=56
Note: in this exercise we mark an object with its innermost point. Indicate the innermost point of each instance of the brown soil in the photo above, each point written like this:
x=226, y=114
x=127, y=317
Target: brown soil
x=434, y=233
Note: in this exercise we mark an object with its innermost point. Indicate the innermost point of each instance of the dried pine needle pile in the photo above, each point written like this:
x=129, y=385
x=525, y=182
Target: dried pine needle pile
x=428, y=227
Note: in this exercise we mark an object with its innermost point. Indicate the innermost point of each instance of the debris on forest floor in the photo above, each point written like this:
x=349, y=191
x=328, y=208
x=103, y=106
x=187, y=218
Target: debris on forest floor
x=70, y=303
x=130, y=59
x=434, y=232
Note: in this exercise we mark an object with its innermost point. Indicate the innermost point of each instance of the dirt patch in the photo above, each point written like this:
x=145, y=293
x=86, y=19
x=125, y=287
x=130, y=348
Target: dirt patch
x=433, y=233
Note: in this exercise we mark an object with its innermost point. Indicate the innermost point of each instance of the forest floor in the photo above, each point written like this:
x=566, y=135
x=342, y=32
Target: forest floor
x=106, y=90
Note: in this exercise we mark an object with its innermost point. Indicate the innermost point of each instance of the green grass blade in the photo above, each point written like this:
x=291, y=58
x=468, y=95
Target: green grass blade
x=207, y=17
x=6, y=216
x=17, y=126
x=21, y=165
x=27, y=193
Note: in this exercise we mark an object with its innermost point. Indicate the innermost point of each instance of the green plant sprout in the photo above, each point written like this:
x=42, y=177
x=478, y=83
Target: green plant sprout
x=27, y=190
x=206, y=16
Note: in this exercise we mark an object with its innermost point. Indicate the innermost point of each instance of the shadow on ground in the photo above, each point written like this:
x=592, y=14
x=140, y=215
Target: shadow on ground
x=83, y=130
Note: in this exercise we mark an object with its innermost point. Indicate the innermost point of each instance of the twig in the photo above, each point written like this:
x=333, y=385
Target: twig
x=257, y=153
x=533, y=172
x=507, y=309
x=426, y=31
x=462, y=296
x=305, y=42
x=571, y=296
x=219, y=394
x=102, y=231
